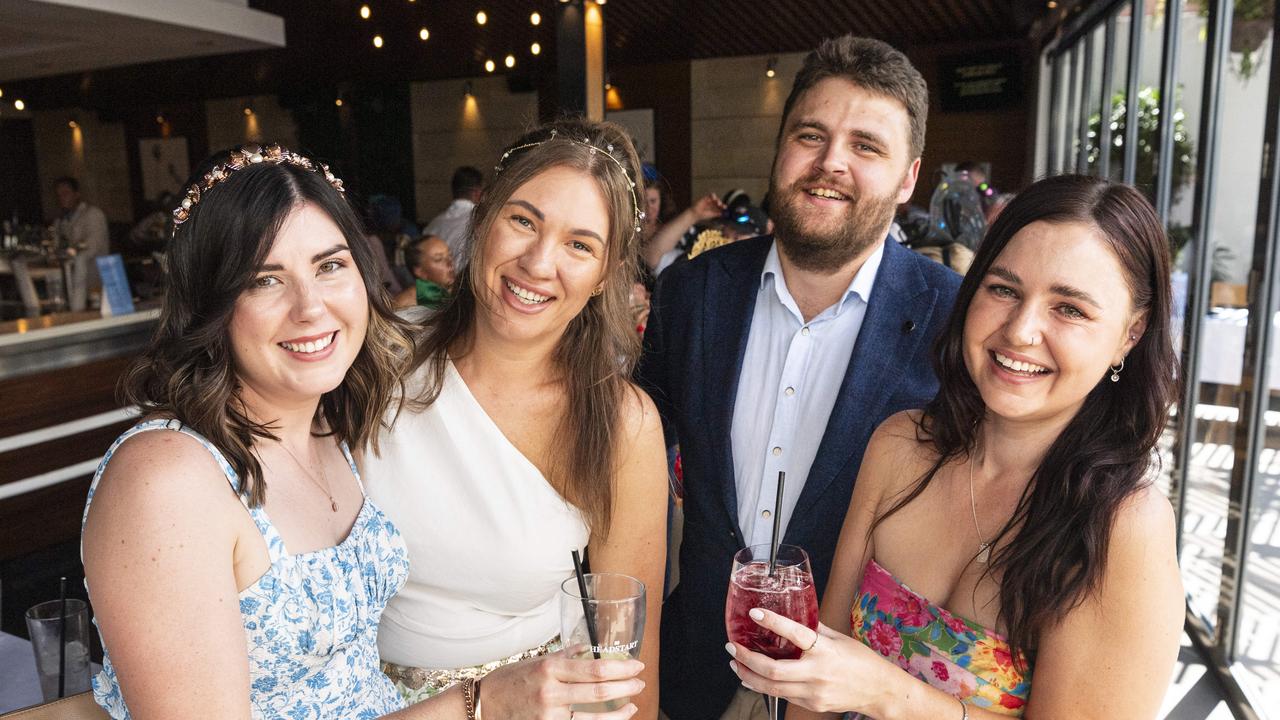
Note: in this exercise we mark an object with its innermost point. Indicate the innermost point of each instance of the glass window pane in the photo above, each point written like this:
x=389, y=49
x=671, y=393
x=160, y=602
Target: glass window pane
x=1149, y=97
x=1258, y=636
x=1116, y=92
x=1094, y=99
x=1236, y=183
x=1071, y=111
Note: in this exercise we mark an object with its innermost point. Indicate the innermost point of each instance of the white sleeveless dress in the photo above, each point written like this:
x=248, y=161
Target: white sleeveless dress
x=489, y=539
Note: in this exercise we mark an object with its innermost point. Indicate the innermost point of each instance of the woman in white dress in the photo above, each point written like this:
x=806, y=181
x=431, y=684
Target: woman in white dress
x=524, y=438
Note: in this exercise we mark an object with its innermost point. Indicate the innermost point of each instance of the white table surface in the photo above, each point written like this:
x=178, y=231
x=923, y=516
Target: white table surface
x=19, y=684
x=1222, y=348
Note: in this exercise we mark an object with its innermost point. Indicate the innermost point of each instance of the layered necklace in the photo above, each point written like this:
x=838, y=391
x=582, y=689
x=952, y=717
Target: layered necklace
x=984, y=546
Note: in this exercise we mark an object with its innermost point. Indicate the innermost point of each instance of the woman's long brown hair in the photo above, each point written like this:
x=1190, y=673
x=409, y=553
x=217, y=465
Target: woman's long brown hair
x=595, y=356
x=1061, y=527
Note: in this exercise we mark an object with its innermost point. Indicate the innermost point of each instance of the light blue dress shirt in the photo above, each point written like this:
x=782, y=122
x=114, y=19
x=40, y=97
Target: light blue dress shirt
x=791, y=375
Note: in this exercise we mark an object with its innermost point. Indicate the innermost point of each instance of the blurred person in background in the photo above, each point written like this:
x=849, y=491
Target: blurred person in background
x=453, y=224
x=431, y=264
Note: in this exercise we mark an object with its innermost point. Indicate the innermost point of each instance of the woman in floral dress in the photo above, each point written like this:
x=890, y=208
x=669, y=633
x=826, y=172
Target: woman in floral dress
x=1010, y=530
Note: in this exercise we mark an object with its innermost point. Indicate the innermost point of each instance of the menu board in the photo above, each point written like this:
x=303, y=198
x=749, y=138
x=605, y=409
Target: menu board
x=987, y=81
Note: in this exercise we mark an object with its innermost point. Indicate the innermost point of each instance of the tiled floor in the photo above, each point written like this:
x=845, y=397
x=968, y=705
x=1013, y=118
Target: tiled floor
x=1194, y=694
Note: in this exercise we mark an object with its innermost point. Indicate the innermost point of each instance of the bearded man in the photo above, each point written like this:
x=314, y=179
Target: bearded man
x=783, y=353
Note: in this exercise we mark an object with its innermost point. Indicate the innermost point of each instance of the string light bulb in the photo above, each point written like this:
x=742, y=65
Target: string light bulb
x=535, y=18
x=73, y=124
x=377, y=41
x=489, y=66
x=248, y=110
x=510, y=61
x=771, y=68
x=536, y=49
x=19, y=105
x=365, y=12
x=424, y=34
x=481, y=18
x=338, y=102
x=1, y=93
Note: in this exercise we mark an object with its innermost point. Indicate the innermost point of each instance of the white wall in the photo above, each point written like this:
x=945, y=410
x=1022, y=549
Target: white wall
x=450, y=130
x=94, y=153
x=735, y=110
x=229, y=126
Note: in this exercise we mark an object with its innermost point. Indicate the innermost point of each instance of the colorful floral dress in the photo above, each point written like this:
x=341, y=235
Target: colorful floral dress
x=310, y=621
x=948, y=652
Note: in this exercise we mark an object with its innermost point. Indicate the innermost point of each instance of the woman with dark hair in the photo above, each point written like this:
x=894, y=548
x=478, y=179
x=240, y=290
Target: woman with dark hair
x=525, y=439
x=275, y=355
x=1012, y=525
x=236, y=567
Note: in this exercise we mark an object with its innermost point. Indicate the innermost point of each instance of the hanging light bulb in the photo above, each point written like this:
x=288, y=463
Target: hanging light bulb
x=424, y=34
x=510, y=61
x=771, y=67
x=535, y=19
x=364, y=12
x=536, y=49
x=481, y=18
x=377, y=41
x=489, y=66
x=19, y=105
x=338, y=102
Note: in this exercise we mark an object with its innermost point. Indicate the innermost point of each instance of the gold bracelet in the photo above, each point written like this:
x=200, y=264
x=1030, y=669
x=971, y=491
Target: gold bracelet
x=469, y=697
x=480, y=701
x=964, y=709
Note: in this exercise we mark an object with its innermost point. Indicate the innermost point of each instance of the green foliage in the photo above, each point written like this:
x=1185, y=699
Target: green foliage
x=1183, y=167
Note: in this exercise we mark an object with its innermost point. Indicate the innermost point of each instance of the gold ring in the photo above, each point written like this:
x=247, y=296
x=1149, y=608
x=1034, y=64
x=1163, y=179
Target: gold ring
x=814, y=645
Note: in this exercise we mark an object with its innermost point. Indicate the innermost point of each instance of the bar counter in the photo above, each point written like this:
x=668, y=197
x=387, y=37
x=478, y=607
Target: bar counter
x=58, y=378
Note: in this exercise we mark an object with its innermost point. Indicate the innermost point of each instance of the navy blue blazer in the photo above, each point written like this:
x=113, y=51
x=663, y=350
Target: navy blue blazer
x=693, y=351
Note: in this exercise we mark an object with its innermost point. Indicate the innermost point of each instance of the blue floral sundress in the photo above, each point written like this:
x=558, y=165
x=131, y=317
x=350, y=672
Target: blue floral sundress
x=311, y=620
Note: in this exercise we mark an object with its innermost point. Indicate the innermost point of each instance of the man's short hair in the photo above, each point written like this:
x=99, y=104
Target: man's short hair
x=466, y=179
x=69, y=181
x=870, y=64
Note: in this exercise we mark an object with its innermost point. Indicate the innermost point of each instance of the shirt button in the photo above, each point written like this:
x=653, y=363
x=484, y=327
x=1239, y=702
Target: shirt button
x=790, y=391
x=765, y=514
x=804, y=331
x=777, y=451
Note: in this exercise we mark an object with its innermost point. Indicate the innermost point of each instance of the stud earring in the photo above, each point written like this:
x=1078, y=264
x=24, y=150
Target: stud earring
x=1115, y=371
x=597, y=291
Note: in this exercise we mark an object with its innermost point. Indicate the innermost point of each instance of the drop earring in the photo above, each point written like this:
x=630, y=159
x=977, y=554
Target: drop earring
x=1115, y=371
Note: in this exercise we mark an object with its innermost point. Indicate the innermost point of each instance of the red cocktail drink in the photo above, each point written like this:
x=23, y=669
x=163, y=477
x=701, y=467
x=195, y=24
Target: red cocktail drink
x=789, y=592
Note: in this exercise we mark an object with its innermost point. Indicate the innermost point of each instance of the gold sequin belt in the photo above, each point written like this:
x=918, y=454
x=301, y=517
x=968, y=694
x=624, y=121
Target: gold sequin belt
x=418, y=680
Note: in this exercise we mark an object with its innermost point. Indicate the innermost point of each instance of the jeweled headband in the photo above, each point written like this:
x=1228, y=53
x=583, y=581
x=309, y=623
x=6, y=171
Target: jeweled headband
x=239, y=160
x=607, y=150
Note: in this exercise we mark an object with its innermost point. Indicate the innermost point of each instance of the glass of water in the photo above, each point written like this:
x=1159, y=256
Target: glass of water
x=44, y=625
x=613, y=611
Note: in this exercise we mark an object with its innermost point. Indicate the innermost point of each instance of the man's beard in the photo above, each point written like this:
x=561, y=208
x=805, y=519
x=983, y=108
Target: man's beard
x=827, y=249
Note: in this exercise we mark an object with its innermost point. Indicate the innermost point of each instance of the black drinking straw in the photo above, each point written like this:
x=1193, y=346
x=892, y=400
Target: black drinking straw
x=62, y=638
x=586, y=605
x=777, y=523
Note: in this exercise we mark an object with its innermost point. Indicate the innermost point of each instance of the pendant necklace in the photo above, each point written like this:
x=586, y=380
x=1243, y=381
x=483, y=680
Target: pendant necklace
x=984, y=546
x=334, y=503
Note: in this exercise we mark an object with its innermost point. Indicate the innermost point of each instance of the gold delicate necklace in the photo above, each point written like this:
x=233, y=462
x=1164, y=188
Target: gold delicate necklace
x=984, y=546
x=323, y=488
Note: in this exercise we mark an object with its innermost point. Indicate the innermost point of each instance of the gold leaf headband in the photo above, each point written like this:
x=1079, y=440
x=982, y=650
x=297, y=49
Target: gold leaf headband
x=607, y=151
x=239, y=160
